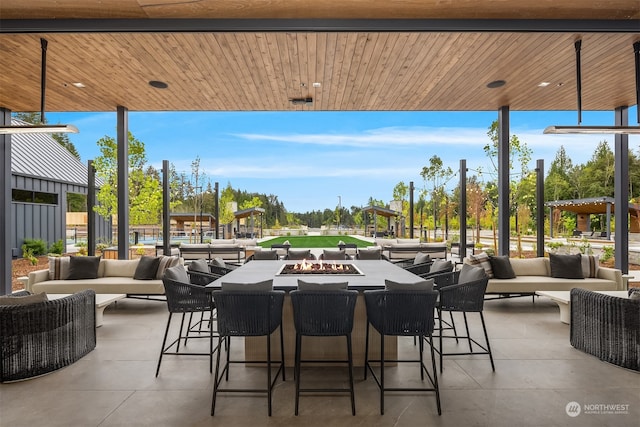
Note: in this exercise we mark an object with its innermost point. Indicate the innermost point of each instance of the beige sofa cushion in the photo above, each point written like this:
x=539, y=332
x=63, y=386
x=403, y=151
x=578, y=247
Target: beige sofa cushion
x=413, y=241
x=120, y=267
x=530, y=284
x=101, y=285
x=531, y=266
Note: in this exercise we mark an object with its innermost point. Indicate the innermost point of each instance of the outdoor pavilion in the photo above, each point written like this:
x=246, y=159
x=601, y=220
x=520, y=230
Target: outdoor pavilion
x=584, y=208
x=246, y=55
x=379, y=210
x=249, y=221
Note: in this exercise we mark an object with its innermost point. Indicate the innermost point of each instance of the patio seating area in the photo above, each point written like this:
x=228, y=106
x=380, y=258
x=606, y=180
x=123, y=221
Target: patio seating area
x=538, y=374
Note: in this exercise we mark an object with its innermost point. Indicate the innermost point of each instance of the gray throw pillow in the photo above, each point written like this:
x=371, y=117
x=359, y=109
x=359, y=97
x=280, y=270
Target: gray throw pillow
x=264, y=286
x=310, y=286
x=299, y=254
x=218, y=262
x=566, y=266
x=440, y=265
x=83, y=267
x=199, y=265
x=334, y=255
x=147, y=268
x=423, y=285
x=23, y=300
x=469, y=273
x=501, y=267
x=177, y=273
x=421, y=258
x=266, y=255
x=370, y=254
x=634, y=293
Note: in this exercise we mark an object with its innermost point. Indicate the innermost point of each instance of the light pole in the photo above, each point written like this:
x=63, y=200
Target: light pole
x=339, y=208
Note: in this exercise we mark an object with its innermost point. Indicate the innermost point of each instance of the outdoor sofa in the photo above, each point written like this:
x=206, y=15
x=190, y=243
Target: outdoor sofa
x=534, y=274
x=404, y=249
x=233, y=250
x=113, y=277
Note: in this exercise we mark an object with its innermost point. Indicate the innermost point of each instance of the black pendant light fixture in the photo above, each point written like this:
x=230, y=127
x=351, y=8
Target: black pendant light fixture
x=627, y=130
x=40, y=128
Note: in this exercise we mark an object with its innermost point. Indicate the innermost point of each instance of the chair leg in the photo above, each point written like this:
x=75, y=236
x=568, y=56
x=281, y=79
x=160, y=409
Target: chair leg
x=297, y=370
x=366, y=351
x=435, y=373
x=381, y=374
x=453, y=325
x=228, y=358
x=421, y=350
x=211, y=347
x=466, y=325
x=180, y=334
x=164, y=341
x=282, y=353
x=439, y=340
x=350, y=357
x=486, y=337
x=216, y=380
x=269, y=373
x=186, y=337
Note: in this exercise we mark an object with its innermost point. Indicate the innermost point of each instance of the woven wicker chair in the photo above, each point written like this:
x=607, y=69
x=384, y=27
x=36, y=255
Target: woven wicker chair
x=402, y=313
x=40, y=338
x=187, y=298
x=248, y=314
x=323, y=314
x=465, y=298
x=607, y=327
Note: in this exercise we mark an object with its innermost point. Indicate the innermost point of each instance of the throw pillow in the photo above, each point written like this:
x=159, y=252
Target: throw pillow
x=264, y=286
x=590, y=265
x=23, y=300
x=421, y=258
x=333, y=255
x=501, y=267
x=199, y=265
x=482, y=260
x=83, y=267
x=423, y=285
x=440, y=265
x=58, y=267
x=218, y=262
x=370, y=254
x=469, y=273
x=298, y=254
x=166, y=262
x=634, y=293
x=147, y=268
x=177, y=273
x=266, y=255
x=566, y=266
x=309, y=286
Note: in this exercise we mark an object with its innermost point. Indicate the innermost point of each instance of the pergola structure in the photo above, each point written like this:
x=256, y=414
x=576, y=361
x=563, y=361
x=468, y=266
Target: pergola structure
x=379, y=210
x=584, y=208
x=248, y=215
x=325, y=55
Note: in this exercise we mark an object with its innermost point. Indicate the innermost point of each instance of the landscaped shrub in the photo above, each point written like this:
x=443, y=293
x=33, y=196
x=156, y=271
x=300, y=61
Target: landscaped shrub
x=35, y=246
x=57, y=247
x=607, y=253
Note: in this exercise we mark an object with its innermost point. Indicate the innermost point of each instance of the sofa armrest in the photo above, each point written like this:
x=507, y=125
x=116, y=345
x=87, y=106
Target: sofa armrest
x=37, y=276
x=613, y=275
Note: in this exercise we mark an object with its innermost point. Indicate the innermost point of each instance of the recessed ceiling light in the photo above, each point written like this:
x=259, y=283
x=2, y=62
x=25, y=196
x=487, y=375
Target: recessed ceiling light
x=317, y=84
x=158, y=84
x=78, y=85
x=543, y=84
x=496, y=83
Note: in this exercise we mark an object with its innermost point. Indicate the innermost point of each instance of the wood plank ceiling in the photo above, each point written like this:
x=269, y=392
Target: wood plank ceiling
x=256, y=71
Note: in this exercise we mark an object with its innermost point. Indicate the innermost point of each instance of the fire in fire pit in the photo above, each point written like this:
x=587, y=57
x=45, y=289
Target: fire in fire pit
x=320, y=267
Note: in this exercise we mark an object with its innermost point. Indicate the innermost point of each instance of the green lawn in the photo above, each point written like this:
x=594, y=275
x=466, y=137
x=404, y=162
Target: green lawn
x=315, y=241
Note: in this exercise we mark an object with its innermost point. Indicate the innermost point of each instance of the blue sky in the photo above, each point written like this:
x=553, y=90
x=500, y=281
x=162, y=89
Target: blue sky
x=308, y=159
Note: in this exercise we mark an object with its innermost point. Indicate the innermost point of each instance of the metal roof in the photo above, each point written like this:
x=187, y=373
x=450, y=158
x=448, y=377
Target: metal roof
x=41, y=156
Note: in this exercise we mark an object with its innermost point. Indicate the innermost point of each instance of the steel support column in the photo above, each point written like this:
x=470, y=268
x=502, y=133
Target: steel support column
x=166, y=209
x=411, y=189
x=463, y=209
x=540, y=207
x=503, y=181
x=123, y=181
x=217, y=208
x=5, y=205
x=91, y=215
x=621, y=189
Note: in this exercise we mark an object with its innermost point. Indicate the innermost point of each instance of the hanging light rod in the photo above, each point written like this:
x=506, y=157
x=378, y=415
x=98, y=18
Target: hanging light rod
x=40, y=128
x=22, y=129
x=622, y=130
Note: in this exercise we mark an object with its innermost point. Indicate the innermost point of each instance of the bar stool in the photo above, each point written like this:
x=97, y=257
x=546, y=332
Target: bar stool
x=323, y=313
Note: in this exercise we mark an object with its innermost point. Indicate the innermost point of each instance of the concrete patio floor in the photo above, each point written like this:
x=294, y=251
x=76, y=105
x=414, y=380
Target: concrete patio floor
x=537, y=375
